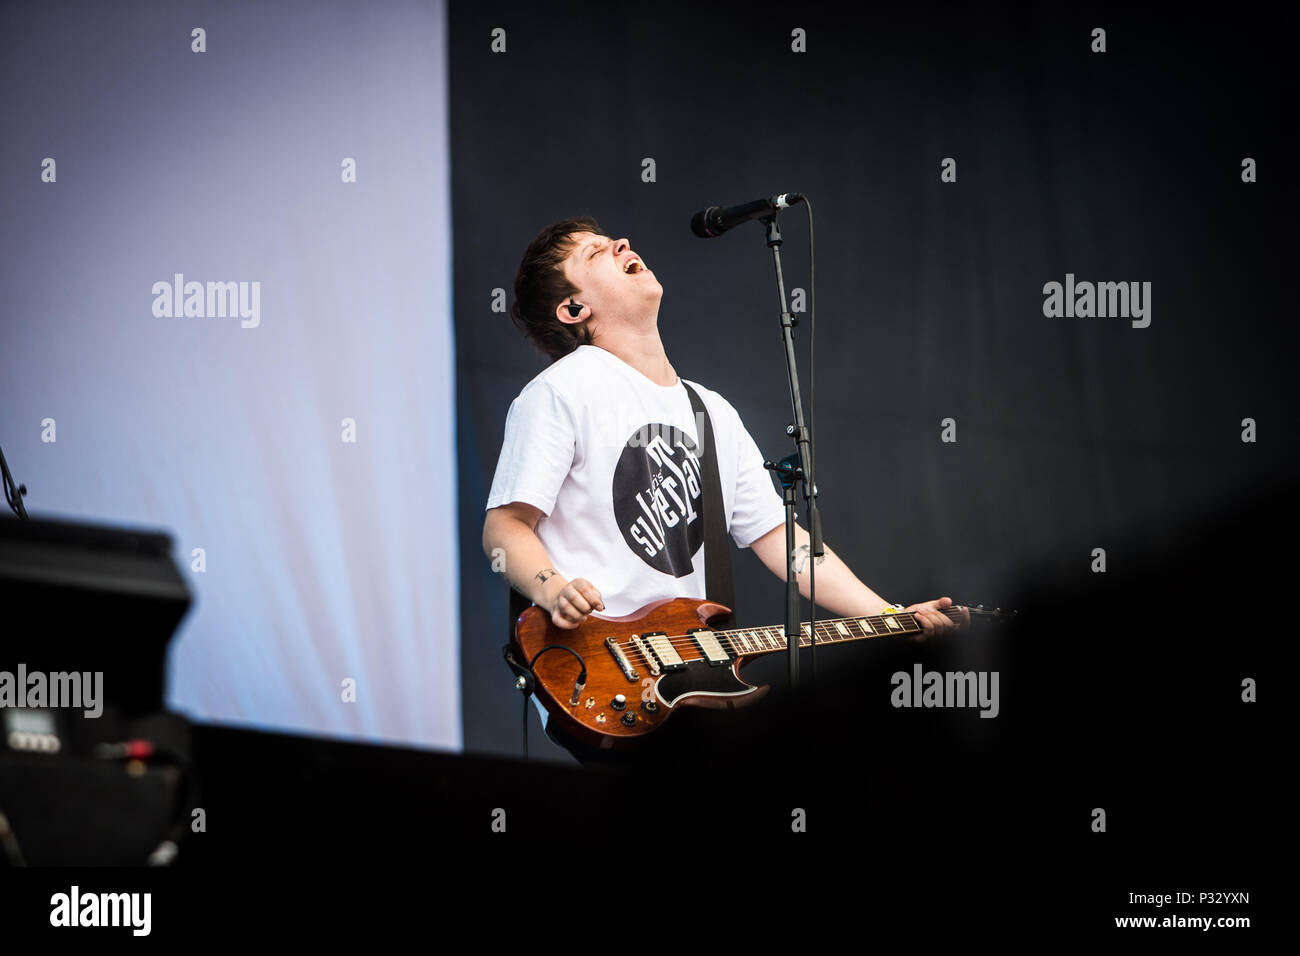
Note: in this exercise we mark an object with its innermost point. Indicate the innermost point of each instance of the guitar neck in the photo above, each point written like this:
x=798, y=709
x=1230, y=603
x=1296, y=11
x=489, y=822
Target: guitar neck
x=746, y=641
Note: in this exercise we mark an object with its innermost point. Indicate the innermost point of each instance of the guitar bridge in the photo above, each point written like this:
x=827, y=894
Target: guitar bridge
x=621, y=659
x=645, y=652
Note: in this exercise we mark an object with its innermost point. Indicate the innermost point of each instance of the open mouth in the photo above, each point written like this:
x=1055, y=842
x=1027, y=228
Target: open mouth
x=633, y=266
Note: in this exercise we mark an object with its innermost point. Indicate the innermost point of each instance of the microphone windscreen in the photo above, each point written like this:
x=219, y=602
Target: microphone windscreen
x=699, y=223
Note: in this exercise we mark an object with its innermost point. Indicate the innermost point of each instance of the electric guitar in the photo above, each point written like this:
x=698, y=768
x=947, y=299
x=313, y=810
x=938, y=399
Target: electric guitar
x=613, y=680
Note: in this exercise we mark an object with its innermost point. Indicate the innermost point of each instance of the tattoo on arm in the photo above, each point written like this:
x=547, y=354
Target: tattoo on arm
x=545, y=573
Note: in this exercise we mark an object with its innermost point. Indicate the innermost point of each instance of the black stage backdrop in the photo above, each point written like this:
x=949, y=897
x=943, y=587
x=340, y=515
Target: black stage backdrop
x=1072, y=433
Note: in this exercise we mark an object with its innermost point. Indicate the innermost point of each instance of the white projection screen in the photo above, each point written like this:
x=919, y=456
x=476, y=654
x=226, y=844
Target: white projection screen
x=289, y=417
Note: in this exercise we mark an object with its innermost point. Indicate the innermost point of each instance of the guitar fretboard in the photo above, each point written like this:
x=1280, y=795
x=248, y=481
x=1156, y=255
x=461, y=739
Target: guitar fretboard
x=758, y=640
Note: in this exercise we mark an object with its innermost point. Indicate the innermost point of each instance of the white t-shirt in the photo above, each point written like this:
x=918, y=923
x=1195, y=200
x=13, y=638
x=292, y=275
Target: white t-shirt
x=612, y=460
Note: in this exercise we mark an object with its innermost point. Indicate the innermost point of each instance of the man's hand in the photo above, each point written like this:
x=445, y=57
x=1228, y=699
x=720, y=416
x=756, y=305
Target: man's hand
x=572, y=602
x=930, y=615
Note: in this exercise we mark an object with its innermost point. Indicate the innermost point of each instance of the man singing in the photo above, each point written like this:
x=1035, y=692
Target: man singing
x=597, y=494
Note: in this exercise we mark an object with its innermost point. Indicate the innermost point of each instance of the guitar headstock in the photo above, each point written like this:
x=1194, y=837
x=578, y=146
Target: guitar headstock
x=997, y=613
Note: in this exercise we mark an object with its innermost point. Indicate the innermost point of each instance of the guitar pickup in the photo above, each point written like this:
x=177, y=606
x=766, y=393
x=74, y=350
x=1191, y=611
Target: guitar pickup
x=709, y=646
x=663, y=649
x=621, y=659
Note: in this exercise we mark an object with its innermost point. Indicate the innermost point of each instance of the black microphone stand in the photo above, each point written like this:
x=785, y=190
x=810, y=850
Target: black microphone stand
x=791, y=471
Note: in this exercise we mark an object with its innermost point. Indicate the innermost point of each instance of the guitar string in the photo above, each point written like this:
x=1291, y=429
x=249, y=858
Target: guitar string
x=828, y=636
x=689, y=640
x=825, y=637
x=823, y=626
x=740, y=651
x=738, y=646
x=825, y=629
x=953, y=613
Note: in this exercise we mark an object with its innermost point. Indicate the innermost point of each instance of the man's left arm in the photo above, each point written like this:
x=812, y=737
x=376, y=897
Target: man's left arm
x=839, y=590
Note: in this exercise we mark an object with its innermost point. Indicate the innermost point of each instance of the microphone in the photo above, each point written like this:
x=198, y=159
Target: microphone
x=716, y=220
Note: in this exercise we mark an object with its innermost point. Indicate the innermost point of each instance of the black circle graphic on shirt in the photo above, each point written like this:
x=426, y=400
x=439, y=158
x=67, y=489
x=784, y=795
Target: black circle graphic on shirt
x=658, y=498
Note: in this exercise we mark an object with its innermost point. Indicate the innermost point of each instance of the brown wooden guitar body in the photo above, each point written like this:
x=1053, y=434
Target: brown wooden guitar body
x=642, y=667
x=649, y=698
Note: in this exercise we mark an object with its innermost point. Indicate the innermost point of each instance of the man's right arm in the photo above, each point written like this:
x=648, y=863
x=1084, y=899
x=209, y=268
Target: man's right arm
x=512, y=529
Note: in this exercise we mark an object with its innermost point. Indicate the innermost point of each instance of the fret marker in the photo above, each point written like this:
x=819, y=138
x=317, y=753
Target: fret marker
x=866, y=626
x=844, y=631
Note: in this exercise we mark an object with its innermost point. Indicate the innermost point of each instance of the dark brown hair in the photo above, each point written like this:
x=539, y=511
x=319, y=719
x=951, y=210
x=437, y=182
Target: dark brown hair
x=540, y=285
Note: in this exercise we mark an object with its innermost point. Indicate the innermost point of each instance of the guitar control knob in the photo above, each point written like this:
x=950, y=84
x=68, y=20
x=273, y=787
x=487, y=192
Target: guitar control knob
x=629, y=719
x=650, y=706
x=619, y=702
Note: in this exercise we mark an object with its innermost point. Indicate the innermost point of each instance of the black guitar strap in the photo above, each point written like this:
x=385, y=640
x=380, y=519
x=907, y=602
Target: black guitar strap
x=717, y=549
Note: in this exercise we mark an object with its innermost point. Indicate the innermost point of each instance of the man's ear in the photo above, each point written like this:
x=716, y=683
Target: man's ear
x=565, y=315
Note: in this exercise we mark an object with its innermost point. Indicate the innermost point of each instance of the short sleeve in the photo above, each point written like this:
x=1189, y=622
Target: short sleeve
x=757, y=507
x=537, y=451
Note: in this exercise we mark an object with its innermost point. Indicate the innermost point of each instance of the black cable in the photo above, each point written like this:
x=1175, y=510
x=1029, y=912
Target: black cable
x=527, y=690
x=812, y=432
x=582, y=679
